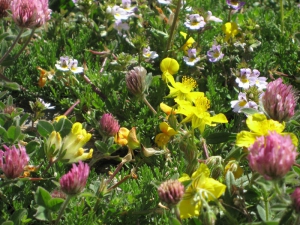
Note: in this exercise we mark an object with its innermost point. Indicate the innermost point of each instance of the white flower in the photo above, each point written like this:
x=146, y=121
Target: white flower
x=165, y=2
x=126, y=5
x=195, y=22
x=192, y=58
x=149, y=54
x=73, y=66
x=244, y=79
x=210, y=17
x=62, y=64
x=120, y=13
x=119, y=26
x=46, y=105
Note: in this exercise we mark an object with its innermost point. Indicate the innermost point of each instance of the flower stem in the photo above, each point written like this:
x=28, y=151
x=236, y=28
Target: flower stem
x=72, y=108
x=115, y=172
x=173, y=26
x=12, y=46
x=149, y=105
x=26, y=43
x=278, y=191
x=62, y=209
x=233, y=221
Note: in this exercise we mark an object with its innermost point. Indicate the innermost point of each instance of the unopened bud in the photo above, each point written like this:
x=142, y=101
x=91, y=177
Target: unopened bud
x=171, y=191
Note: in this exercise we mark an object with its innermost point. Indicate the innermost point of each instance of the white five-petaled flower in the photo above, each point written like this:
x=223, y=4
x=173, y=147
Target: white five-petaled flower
x=149, y=54
x=242, y=103
x=119, y=26
x=214, y=54
x=73, y=66
x=244, y=79
x=195, y=22
x=120, y=13
x=192, y=58
x=66, y=64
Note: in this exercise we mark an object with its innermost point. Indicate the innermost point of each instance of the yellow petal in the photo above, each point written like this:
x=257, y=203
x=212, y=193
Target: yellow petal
x=214, y=187
x=167, y=109
x=219, y=118
x=169, y=65
x=188, y=208
x=183, y=34
x=133, y=142
x=161, y=139
x=245, y=139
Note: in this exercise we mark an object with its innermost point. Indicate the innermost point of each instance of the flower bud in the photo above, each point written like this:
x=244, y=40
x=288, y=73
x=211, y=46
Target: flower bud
x=215, y=164
x=13, y=160
x=171, y=191
x=74, y=181
x=54, y=144
x=272, y=156
x=109, y=126
x=279, y=100
x=136, y=81
x=295, y=196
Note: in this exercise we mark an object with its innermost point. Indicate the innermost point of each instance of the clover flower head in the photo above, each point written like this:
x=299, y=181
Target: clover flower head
x=4, y=6
x=235, y=4
x=119, y=25
x=109, y=126
x=272, y=156
x=13, y=160
x=191, y=59
x=279, y=100
x=149, y=54
x=215, y=54
x=30, y=13
x=195, y=22
x=295, y=197
x=75, y=180
x=171, y=191
x=136, y=81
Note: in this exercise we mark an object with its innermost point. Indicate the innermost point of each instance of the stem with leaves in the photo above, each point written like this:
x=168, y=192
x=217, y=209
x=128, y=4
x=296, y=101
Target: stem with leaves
x=62, y=209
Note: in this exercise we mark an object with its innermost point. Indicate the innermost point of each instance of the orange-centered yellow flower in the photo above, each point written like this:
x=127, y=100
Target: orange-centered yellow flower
x=163, y=138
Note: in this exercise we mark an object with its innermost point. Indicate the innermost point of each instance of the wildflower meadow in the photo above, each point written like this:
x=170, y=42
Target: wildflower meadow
x=149, y=112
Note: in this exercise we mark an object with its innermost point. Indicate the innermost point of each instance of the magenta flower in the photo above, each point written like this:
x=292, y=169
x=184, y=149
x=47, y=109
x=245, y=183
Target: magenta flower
x=272, y=156
x=109, y=126
x=30, y=13
x=279, y=100
x=13, y=160
x=171, y=191
x=74, y=181
x=295, y=196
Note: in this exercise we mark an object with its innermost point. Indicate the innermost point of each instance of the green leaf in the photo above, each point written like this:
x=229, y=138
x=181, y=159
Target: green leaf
x=55, y=203
x=18, y=216
x=3, y=134
x=32, y=146
x=261, y=212
x=101, y=146
x=87, y=194
x=63, y=126
x=286, y=216
x=42, y=214
x=10, y=85
x=217, y=138
x=13, y=133
x=9, y=222
x=23, y=119
x=42, y=197
x=44, y=128
x=174, y=221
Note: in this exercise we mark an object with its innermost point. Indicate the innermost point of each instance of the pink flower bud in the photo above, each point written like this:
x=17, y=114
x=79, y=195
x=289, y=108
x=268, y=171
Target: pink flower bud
x=74, y=181
x=30, y=13
x=109, y=126
x=272, y=156
x=13, y=160
x=279, y=100
x=171, y=191
x=295, y=196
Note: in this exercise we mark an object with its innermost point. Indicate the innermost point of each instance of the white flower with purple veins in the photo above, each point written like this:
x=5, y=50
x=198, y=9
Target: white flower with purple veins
x=62, y=64
x=235, y=4
x=165, y=2
x=73, y=66
x=242, y=103
x=215, y=54
x=195, y=22
x=260, y=82
x=192, y=58
x=120, y=13
x=149, y=54
x=126, y=5
x=210, y=17
x=244, y=79
x=120, y=26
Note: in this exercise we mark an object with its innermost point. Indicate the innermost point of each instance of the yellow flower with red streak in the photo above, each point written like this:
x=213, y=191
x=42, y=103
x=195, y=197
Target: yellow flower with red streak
x=163, y=138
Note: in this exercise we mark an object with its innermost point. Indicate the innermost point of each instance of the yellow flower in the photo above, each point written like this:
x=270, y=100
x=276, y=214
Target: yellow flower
x=169, y=67
x=234, y=167
x=198, y=114
x=259, y=125
x=167, y=109
x=56, y=119
x=163, y=138
x=133, y=142
x=72, y=150
x=183, y=90
x=121, y=136
x=202, y=187
x=54, y=144
x=188, y=44
x=230, y=29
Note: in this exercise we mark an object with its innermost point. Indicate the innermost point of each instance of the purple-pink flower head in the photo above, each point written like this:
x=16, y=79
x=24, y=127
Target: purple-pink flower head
x=272, y=156
x=295, y=196
x=30, y=13
x=171, y=191
x=235, y=4
x=13, y=160
x=279, y=100
x=4, y=6
x=109, y=126
x=74, y=181
x=214, y=54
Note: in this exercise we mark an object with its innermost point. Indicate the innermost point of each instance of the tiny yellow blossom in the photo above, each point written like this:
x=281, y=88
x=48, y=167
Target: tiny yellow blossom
x=163, y=138
x=121, y=136
x=230, y=29
x=201, y=187
x=259, y=125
